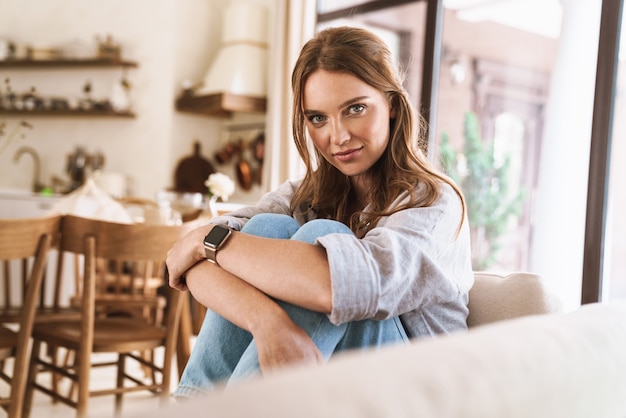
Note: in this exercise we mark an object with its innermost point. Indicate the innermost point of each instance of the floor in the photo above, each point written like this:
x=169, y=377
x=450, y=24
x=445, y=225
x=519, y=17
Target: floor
x=136, y=405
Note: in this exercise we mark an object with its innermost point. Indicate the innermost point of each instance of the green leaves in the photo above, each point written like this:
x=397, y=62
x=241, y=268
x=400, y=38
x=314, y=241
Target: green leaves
x=485, y=184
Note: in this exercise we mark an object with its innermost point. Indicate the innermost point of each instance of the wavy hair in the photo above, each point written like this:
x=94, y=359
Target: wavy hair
x=402, y=169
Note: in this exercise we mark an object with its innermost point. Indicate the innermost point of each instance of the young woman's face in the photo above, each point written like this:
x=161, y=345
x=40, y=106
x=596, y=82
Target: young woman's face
x=347, y=119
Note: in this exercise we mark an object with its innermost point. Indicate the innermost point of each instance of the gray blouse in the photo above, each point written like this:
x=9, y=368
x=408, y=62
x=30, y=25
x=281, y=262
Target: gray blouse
x=415, y=264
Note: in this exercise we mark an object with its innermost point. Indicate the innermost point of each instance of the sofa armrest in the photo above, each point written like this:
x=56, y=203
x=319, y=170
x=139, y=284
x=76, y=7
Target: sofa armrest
x=569, y=365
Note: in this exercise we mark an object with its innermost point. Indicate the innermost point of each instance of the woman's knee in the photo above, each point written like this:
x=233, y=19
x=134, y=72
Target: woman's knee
x=316, y=228
x=271, y=225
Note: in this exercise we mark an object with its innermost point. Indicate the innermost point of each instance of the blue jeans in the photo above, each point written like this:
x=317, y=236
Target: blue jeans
x=225, y=354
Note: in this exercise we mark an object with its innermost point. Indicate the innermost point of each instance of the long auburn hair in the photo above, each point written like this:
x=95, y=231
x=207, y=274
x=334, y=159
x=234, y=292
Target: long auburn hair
x=402, y=169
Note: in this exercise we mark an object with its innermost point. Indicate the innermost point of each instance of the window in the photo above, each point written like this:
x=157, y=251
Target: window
x=526, y=70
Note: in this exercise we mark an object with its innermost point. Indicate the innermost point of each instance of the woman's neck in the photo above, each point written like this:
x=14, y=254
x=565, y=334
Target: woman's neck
x=361, y=186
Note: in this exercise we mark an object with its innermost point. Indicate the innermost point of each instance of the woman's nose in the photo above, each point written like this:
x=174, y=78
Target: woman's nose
x=339, y=133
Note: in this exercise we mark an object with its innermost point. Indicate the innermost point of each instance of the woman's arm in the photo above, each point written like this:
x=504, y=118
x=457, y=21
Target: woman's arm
x=288, y=270
x=413, y=259
x=279, y=340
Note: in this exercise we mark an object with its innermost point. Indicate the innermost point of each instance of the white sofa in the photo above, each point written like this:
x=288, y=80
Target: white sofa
x=552, y=365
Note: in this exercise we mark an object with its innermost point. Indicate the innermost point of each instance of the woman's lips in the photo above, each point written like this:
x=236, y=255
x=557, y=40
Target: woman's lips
x=348, y=155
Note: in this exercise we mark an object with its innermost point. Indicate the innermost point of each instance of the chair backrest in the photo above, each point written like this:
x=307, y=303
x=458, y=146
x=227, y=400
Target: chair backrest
x=57, y=285
x=122, y=254
x=24, y=242
x=19, y=239
x=496, y=297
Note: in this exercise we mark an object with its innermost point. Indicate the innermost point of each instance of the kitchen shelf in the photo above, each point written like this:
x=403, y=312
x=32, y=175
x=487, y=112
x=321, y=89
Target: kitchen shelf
x=220, y=104
x=72, y=113
x=65, y=63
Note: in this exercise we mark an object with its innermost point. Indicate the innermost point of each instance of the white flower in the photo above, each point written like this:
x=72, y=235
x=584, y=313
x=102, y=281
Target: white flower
x=220, y=185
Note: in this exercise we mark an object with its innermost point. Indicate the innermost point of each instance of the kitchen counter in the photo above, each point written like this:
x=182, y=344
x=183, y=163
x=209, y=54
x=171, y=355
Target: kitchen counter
x=22, y=203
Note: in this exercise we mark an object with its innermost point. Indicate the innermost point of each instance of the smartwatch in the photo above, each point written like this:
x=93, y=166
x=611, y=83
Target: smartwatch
x=215, y=240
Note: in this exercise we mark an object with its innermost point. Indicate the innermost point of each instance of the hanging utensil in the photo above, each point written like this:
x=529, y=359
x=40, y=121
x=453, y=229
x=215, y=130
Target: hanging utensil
x=192, y=171
x=258, y=147
x=244, y=172
x=258, y=151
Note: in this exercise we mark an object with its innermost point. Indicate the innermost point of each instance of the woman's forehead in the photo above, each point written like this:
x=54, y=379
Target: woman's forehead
x=332, y=88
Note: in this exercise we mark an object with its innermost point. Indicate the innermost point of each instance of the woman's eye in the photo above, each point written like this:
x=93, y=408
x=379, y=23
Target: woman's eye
x=357, y=108
x=316, y=119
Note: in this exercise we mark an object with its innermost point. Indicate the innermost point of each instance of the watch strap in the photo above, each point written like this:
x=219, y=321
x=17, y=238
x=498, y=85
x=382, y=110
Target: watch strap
x=211, y=254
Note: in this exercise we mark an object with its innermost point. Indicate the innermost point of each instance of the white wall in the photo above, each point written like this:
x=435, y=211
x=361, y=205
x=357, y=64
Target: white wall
x=172, y=40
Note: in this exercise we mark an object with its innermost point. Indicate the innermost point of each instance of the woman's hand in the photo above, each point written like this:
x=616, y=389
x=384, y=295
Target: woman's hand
x=282, y=342
x=184, y=254
x=279, y=340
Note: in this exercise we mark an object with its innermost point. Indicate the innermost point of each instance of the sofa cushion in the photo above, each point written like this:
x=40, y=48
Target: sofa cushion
x=496, y=297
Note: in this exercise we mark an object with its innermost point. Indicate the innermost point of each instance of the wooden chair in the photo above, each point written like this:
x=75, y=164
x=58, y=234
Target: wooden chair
x=49, y=305
x=24, y=245
x=139, y=248
x=53, y=302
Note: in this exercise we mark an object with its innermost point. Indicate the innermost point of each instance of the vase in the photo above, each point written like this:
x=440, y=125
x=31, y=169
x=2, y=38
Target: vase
x=212, y=206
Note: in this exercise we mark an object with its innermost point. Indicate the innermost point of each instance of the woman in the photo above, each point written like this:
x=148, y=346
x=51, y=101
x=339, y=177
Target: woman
x=371, y=247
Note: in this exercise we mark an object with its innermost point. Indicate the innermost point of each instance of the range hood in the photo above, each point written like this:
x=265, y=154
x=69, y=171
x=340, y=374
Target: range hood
x=236, y=80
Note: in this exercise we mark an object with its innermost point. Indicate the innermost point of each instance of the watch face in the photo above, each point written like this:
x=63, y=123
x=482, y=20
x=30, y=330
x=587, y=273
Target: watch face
x=215, y=237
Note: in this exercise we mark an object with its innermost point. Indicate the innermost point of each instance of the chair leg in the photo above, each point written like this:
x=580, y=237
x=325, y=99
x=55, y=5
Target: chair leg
x=67, y=362
x=70, y=363
x=149, y=371
x=121, y=371
x=32, y=375
x=53, y=354
x=83, y=371
x=56, y=357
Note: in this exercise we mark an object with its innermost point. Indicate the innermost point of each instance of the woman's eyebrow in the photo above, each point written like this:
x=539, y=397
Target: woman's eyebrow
x=309, y=112
x=341, y=106
x=351, y=101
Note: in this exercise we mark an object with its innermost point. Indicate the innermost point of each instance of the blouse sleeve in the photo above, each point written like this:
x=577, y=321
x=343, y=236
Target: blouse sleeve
x=413, y=258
